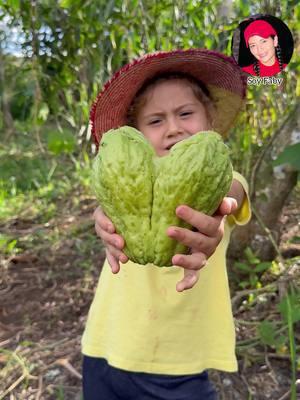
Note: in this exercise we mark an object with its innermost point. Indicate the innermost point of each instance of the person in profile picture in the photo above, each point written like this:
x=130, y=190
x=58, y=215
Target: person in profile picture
x=265, y=45
x=262, y=41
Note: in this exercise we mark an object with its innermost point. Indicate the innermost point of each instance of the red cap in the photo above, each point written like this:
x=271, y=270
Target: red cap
x=259, y=27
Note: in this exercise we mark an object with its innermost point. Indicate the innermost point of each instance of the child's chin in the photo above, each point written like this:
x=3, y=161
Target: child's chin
x=162, y=153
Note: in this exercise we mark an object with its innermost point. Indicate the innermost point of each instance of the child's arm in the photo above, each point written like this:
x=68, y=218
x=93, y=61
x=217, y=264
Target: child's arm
x=237, y=192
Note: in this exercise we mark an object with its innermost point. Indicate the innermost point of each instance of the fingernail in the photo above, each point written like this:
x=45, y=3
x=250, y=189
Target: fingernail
x=181, y=211
x=173, y=231
x=179, y=260
x=179, y=287
x=123, y=258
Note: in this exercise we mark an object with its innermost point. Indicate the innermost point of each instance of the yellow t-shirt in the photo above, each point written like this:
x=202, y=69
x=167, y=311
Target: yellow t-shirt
x=139, y=322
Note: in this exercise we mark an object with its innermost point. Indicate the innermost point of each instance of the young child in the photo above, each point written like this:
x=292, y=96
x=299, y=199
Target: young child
x=144, y=339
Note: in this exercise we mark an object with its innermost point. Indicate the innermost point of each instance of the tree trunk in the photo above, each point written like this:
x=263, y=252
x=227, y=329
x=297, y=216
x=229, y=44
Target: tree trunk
x=8, y=123
x=272, y=187
x=35, y=44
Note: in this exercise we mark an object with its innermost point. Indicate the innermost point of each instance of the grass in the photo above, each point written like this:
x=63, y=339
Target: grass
x=32, y=184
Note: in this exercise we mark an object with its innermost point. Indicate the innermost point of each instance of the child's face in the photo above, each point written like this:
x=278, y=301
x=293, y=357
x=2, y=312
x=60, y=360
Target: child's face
x=171, y=113
x=263, y=49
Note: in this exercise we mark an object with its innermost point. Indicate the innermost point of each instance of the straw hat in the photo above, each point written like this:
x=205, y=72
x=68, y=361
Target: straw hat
x=220, y=74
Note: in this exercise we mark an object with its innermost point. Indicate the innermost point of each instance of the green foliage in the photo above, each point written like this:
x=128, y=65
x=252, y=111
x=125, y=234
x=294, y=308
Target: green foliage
x=83, y=170
x=71, y=47
x=32, y=183
x=8, y=245
x=281, y=335
x=290, y=311
x=289, y=307
x=290, y=155
x=60, y=393
x=61, y=142
x=269, y=335
x=251, y=270
x=19, y=87
x=22, y=172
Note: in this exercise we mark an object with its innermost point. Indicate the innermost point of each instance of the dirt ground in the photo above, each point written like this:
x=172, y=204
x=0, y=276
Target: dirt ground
x=46, y=291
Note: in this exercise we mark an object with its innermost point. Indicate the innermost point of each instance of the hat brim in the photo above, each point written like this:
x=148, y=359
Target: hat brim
x=221, y=75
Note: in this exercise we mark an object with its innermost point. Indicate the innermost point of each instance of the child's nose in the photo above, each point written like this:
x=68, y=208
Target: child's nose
x=173, y=127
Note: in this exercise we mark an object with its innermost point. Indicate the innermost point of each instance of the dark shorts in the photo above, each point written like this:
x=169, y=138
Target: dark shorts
x=104, y=382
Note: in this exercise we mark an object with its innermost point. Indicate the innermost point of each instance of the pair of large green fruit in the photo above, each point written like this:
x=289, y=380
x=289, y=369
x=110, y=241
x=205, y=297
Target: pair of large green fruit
x=139, y=191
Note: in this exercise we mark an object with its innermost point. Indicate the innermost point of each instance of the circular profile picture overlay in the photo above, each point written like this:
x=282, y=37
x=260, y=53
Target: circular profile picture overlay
x=262, y=45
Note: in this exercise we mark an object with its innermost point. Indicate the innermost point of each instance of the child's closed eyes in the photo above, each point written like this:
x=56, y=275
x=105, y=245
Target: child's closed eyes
x=155, y=121
x=186, y=114
x=181, y=114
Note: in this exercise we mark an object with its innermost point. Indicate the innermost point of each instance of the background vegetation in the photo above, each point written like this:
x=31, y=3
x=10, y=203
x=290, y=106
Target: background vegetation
x=54, y=58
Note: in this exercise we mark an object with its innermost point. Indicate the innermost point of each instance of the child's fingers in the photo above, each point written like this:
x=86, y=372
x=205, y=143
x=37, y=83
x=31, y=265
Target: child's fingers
x=189, y=280
x=118, y=254
x=113, y=240
x=113, y=262
x=102, y=221
x=98, y=230
x=194, y=261
x=203, y=223
x=228, y=206
x=195, y=240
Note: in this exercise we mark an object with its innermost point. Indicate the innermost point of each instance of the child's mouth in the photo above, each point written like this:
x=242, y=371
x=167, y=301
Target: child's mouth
x=170, y=146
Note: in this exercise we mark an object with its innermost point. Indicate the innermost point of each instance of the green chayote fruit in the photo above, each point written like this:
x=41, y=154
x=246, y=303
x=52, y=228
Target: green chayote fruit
x=139, y=191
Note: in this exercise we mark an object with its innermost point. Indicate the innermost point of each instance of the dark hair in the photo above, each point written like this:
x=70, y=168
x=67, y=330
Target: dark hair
x=199, y=89
x=279, y=58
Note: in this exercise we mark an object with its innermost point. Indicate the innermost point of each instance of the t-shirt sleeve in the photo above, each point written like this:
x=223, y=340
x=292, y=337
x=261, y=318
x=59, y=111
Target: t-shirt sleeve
x=243, y=215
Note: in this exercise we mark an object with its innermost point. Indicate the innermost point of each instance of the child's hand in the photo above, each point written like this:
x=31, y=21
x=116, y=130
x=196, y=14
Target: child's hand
x=113, y=242
x=202, y=242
